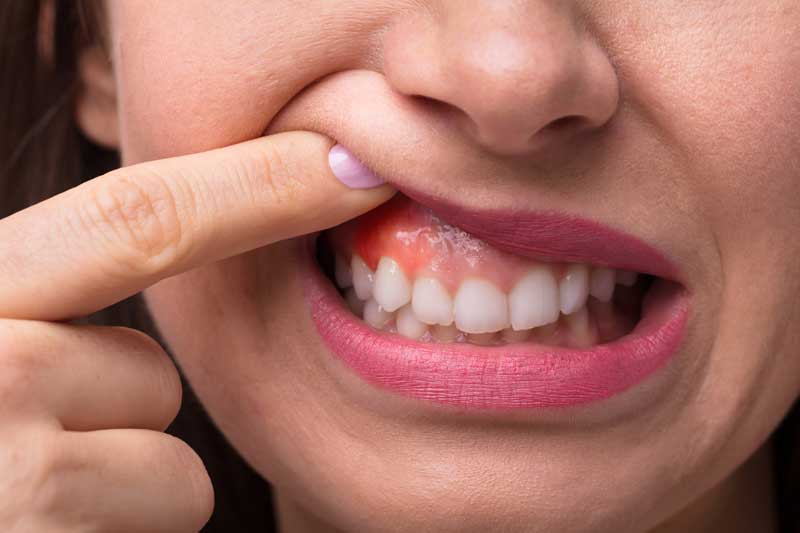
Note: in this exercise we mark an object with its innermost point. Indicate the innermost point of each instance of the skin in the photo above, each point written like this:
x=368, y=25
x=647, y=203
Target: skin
x=685, y=137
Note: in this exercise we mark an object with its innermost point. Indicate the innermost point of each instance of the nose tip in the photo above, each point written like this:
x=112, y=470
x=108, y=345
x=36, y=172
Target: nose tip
x=516, y=81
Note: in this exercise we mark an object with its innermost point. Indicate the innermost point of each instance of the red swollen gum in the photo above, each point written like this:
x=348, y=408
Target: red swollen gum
x=422, y=244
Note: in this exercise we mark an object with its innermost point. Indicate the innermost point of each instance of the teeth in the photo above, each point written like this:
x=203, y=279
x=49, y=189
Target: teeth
x=512, y=335
x=432, y=302
x=574, y=288
x=392, y=289
x=355, y=304
x=534, y=300
x=408, y=325
x=343, y=273
x=481, y=338
x=375, y=315
x=546, y=334
x=445, y=333
x=602, y=284
x=363, y=277
x=626, y=277
x=480, y=312
x=480, y=307
x=581, y=330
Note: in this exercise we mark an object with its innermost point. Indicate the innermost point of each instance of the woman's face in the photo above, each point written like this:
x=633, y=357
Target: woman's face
x=675, y=123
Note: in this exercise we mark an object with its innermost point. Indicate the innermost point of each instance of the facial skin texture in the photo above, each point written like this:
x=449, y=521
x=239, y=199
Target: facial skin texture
x=687, y=137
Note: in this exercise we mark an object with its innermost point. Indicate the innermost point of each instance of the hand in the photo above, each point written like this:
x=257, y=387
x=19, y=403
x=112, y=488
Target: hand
x=83, y=408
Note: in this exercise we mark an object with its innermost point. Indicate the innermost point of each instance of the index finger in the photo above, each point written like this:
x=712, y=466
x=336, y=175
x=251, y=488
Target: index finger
x=113, y=236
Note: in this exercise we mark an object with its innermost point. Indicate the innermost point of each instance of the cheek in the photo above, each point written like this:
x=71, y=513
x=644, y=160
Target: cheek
x=231, y=327
x=216, y=82
x=723, y=92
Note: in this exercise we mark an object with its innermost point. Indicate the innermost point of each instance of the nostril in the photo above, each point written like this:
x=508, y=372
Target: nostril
x=569, y=122
x=426, y=102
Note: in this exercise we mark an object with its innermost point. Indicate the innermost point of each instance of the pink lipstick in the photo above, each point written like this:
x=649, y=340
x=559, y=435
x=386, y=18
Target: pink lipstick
x=505, y=352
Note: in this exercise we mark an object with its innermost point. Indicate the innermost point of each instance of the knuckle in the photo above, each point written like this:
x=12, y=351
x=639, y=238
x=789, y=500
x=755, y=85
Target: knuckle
x=137, y=218
x=164, y=374
x=42, y=466
x=200, y=489
x=277, y=177
x=21, y=364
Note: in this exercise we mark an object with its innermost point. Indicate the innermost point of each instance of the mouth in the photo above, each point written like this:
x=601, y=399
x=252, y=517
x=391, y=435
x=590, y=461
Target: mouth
x=486, y=310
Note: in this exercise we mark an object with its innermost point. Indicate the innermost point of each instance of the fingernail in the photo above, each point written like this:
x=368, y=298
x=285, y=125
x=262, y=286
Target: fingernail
x=350, y=171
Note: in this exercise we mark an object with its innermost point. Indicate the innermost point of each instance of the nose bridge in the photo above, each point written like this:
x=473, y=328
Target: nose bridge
x=516, y=70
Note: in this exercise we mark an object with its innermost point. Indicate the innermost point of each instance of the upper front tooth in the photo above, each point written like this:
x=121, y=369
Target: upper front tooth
x=480, y=307
x=602, y=283
x=626, y=277
x=431, y=302
x=533, y=301
x=343, y=273
x=392, y=289
x=574, y=288
x=363, y=277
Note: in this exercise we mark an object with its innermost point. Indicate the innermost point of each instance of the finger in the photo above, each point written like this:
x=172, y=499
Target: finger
x=118, y=234
x=86, y=377
x=125, y=480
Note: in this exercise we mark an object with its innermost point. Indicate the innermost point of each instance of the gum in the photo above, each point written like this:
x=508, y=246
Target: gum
x=424, y=245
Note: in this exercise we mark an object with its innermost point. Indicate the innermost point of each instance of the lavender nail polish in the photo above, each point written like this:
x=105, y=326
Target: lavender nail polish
x=350, y=171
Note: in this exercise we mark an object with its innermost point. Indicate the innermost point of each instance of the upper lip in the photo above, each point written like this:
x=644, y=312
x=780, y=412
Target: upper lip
x=552, y=236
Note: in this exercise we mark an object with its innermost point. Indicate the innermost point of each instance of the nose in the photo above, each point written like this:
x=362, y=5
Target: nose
x=518, y=76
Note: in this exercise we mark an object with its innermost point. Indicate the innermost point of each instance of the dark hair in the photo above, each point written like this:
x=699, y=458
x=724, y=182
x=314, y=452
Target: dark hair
x=42, y=153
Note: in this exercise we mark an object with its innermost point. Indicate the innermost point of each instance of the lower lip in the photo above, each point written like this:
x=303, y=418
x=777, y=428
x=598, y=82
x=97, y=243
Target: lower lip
x=521, y=376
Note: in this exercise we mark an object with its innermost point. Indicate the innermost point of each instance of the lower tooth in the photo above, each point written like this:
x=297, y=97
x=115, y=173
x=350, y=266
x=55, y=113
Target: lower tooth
x=546, y=334
x=408, y=325
x=445, y=333
x=511, y=335
x=355, y=304
x=375, y=315
x=481, y=338
x=581, y=331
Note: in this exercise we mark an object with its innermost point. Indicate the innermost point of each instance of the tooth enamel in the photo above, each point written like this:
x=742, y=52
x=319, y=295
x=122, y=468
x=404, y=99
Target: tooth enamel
x=445, y=333
x=546, y=334
x=363, y=278
x=603, y=281
x=581, y=332
x=392, y=289
x=375, y=315
x=511, y=335
x=355, y=304
x=480, y=307
x=342, y=273
x=626, y=277
x=432, y=302
x=408, y=325
x=534, y=300
x=574, y=288
x=483, y=339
